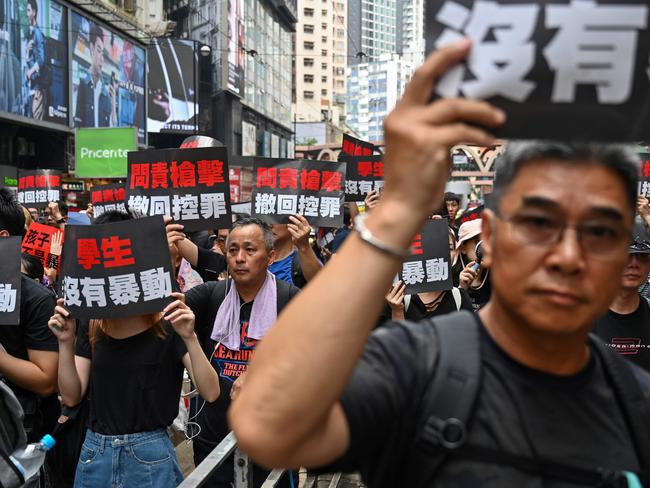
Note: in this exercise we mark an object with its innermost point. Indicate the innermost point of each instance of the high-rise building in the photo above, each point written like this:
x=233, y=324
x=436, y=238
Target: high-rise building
x=410, y=31
x=379, y=27
x=320, y=62
x=372, y=26
x=251, y=51
x=373, y=90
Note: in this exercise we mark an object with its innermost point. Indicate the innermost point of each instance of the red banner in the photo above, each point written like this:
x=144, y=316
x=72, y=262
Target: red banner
x=44, y=242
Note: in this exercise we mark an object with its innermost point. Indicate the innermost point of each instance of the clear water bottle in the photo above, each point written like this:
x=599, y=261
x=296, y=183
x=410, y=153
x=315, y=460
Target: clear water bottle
x=29, y=460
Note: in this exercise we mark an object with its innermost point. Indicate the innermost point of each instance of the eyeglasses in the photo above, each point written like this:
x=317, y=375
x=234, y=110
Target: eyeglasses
x=596, y=237
x=640, y=257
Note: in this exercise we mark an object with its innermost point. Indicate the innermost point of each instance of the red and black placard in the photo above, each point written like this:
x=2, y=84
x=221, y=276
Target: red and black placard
x=356, y=147
x=108, y=197
x=191, y=185
x=44, y=242
x=470, y=213
x=37, y=188
x=10, y=281
x=362, y=175
x=314, y=189
x=119, y=269
x=428, y=268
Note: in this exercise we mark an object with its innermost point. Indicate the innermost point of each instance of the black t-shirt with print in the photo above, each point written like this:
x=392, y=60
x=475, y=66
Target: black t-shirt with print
x=570, y=419
x=135, y=383
x=628, y=334
x=205, y=300
x=480, y=296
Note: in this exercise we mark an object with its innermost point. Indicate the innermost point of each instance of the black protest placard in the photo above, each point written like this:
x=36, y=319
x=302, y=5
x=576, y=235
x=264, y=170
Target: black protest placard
x=428, y=268
x=362, y=175
x=119, y=269
x=560, y=69
x=191, y=185
x=10, y=281
x=644, y=175
x=36, y=188
x=108, y=197
x=356, y=147
x=314, y=189
x=471, y=213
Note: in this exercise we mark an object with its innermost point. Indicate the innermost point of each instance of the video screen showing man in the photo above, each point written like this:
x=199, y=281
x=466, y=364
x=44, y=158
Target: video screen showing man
x=172, y=100
x=33, y=47
x=108, y=78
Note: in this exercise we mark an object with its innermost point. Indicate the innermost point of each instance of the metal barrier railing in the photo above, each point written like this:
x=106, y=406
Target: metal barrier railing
x=243, y=468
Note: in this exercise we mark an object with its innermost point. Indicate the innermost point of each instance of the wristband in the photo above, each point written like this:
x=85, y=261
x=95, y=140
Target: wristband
x=367, y=237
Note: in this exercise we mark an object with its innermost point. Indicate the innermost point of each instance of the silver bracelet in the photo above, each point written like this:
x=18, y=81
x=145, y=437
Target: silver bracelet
x=367, y=237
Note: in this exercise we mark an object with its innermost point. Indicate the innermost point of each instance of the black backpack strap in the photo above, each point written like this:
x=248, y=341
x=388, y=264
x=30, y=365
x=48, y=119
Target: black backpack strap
x=633, y=402
x=448, y=404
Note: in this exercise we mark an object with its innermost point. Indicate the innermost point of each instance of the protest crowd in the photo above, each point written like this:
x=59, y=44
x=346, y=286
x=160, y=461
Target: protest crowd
x=360, y=319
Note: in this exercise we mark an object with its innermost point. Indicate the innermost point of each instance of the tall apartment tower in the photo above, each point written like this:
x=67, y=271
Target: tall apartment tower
x=321, y=59
x=373, y=28
x=378, y=27
x=410, y=31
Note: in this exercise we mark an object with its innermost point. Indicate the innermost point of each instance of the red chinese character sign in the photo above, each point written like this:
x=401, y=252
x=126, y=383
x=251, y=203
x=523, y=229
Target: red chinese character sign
x=45, y=242
x=191, y=185
x=356, y=147
x=363, y=174
x=10, y=281
x=117, y=270
x=315, y=189
x=107, y=197
x=644, y=175
x=568, y=70
x=428, y=268
x=36, y=188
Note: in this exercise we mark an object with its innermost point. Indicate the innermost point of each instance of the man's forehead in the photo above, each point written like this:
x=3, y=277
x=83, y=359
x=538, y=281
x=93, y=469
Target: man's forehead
x=246, y=233
x=569, y=186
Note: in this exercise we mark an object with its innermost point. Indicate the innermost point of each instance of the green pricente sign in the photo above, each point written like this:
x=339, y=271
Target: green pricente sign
x=101, y=153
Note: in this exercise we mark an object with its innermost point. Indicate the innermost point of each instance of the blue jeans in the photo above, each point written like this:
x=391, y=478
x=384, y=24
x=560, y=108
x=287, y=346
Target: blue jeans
x=141, y=460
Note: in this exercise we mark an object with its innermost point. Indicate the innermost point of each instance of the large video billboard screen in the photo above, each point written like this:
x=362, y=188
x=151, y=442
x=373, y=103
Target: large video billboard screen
x=33, y=59
x=173, y=97
x=108, y=74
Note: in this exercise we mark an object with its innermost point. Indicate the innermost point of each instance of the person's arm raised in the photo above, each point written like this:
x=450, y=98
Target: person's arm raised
x=300, y=229
x=288, y=413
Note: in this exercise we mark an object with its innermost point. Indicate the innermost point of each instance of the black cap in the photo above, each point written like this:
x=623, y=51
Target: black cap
x=640, y=240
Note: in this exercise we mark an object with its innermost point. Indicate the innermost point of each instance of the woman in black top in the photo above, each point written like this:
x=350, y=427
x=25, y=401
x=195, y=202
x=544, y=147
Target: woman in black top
x=132, y=369
x=428, y=304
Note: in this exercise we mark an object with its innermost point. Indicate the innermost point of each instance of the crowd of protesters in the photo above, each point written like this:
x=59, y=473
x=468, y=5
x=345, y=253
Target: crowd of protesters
x=344, y=364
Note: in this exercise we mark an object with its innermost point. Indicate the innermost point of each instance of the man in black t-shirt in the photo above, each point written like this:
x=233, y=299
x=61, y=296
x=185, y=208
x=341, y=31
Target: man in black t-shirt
x=555, y=241
x=626, y=325
x=231, y=317
x=29, y=364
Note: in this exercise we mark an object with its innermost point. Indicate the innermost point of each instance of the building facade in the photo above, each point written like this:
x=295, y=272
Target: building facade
x=379, y=27
x=251, y=54
x=372, y=26
x=373, y=90
x=45, y=77
x=320, y=62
